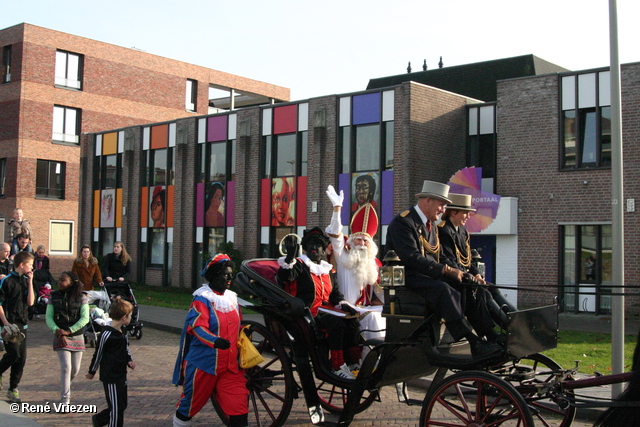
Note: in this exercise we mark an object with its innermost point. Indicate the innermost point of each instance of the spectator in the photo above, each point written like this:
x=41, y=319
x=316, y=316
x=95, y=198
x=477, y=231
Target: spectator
x=18, y=226
x=67, y=316
x=22, y=243
x=117, y=264
x=6, y=265
x=87, y=269
x=16, y=295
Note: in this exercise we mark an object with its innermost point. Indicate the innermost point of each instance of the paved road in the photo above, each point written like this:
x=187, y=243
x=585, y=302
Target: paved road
x=151, y=395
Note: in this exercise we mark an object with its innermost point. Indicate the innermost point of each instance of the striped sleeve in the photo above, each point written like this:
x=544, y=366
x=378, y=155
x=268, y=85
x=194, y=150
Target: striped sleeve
x=97, y=356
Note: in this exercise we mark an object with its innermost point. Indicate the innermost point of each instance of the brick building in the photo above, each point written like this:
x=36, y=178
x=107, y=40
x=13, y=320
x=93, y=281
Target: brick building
x=55, y=86
x=543, y=142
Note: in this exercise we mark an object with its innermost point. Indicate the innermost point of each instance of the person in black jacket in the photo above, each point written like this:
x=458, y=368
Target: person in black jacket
x=67, y=316
x=6, y=265
x=117, y=264
x=112, y=356
x=413, y=236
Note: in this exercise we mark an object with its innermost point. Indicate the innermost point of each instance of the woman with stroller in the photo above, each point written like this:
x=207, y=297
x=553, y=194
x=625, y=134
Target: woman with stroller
x=117, y=264
x=67, y=315
x=87, y=269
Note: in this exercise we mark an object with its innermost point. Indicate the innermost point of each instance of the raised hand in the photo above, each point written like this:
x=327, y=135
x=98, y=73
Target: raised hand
x=291, y=245
x=336, y=199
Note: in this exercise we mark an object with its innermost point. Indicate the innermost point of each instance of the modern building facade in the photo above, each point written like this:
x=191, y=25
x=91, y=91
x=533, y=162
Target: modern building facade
x=55, y=86
x=253, y=175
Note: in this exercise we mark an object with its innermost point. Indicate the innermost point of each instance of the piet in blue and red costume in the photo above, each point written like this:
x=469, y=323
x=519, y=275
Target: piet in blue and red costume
x=203, y=369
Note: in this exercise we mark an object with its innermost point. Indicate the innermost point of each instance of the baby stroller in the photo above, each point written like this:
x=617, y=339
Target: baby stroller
x=124, y=291
x=99, y=306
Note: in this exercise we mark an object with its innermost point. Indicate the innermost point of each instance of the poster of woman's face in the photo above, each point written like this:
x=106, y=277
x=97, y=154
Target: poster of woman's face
x=107, y=208
x=365, y=188
x=214, y=205
x=283, y=202
x=157, y=203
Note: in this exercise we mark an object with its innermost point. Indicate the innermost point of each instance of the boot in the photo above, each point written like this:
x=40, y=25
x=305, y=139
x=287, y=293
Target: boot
x=238, y=420
x=177, y=422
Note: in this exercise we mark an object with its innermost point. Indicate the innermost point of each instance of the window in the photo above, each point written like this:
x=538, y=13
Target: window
x=60, y=237
x=481, y=139
x=191, y=95
x=586, y=121
x=68, y=70
x=367, y=148
x=66, y=124
x=50, y=179
x=3, y=176
x=5, y=73
x=586, y=268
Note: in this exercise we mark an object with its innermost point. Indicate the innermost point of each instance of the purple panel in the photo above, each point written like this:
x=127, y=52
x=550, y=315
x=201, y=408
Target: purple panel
x=344, y=184
x=200, y=205
x=230, y=203
x=217, y=128
x=386, y=198
x=366, y=108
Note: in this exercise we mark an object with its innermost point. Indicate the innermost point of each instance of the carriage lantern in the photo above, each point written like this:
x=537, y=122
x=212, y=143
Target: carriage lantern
x=391, y=276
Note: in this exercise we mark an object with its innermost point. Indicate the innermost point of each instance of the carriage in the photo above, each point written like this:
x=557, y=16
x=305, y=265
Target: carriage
x=521, y=387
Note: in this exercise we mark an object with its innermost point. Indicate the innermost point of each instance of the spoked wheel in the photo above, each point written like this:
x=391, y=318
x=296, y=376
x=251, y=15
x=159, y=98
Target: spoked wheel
x=475, y=398
x=333, y=398
x=549, y=405
x=271, y=384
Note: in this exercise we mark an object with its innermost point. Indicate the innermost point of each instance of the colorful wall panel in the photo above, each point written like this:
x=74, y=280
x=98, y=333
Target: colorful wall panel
x=285, y=119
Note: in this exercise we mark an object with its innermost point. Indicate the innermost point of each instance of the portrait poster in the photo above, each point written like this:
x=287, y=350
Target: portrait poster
x=214, y=205
x=283, y=202
x=108, y=208
x=157, y=206
x=365, y=188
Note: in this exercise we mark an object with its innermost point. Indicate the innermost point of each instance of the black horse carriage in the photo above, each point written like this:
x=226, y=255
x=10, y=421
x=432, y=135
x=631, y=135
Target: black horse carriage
x=512, y=389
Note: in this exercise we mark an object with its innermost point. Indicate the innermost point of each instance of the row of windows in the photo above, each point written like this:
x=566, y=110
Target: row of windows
x=60, y=236
x=50, y=178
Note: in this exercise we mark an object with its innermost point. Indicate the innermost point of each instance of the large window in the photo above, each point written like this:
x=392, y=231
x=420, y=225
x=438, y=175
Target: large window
x=68, y=70
x=50, y=179
x=586, y=268
x=3, y=176
x=5, y=72
x=586, y=121
x=66, y=124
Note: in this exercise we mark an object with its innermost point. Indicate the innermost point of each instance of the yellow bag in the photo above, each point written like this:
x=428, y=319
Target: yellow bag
x=248, y=353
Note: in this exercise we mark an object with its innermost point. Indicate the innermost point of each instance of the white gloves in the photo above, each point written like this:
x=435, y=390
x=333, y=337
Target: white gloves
x=336, y=199
x=11, y=333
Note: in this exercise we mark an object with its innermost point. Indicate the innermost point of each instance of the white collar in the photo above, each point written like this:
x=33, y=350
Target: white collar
x=423, y=217
x=225, y=303
x=317, y=269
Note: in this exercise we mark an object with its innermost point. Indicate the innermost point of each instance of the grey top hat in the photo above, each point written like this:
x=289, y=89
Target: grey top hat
x=461, y=202
x=435, y=190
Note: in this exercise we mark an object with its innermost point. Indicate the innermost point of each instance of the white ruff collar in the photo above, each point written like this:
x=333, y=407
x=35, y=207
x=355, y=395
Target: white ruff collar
x=225, y=303
x=318, y=269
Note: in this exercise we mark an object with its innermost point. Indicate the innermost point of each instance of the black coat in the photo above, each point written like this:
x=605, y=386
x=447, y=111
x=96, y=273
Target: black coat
x=114, y=268
x=450, y=239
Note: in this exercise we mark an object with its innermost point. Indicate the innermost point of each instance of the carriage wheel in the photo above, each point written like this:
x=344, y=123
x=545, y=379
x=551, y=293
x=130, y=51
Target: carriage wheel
x=271, y=384
x=333, y=398
x=475, y=398
x=551, y=408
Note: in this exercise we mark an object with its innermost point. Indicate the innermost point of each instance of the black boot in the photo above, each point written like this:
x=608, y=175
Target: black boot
x=239, y=420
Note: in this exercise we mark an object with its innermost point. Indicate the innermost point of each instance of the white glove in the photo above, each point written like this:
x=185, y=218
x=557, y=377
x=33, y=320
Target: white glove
x=336, y=199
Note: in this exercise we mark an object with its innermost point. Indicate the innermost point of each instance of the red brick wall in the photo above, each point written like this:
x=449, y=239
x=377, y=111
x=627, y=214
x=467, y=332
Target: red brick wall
x=528, y=153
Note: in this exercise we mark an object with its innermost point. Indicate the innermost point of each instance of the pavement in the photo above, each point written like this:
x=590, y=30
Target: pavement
x=152, y=397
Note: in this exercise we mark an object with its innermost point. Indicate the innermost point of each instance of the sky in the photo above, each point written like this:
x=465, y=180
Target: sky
x=333, y=47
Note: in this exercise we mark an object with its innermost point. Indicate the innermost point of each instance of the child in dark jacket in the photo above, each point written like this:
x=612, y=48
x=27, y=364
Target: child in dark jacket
x=113, y=357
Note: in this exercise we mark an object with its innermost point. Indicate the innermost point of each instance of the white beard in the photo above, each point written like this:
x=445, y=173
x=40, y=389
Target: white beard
x=361, y=261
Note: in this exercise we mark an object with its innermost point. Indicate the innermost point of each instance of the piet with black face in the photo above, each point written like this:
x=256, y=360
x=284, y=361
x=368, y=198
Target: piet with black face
x=222, y=281
x=315, y=249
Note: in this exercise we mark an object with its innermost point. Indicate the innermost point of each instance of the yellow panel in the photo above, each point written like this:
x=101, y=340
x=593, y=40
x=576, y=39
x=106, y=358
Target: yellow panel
x=96, y=209
x=110, y=143
x=118, y=207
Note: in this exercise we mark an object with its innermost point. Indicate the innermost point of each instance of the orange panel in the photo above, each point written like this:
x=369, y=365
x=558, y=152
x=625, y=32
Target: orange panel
x=159, y=136
x=144, y=206
x=169, y=208
x=110, y=143
x=96, y=209
x=118, y=207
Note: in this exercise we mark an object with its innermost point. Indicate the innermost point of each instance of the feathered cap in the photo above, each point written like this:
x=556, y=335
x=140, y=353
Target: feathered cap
x=214, y=260
x=365, y=221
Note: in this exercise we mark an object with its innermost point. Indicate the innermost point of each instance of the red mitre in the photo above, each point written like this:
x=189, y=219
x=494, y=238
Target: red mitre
x=365, y=221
